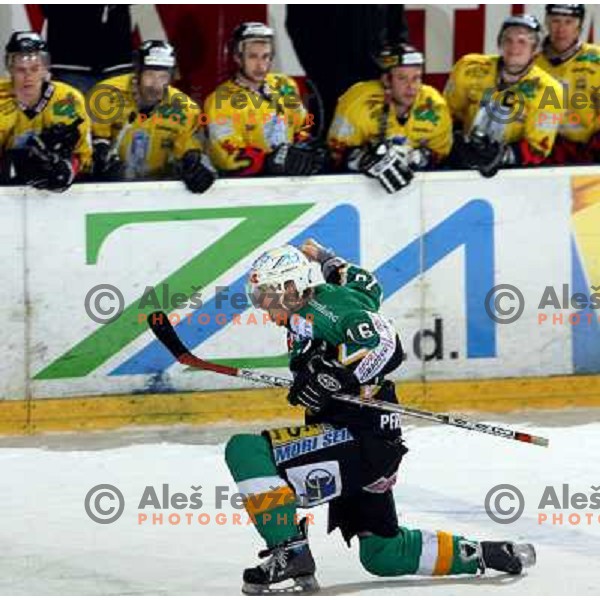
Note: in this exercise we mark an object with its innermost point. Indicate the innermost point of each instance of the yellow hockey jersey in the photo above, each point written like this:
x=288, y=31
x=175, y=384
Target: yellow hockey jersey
x=361, y=117
x=530, y=112
x=148, y=145
x=244, y=126
x=580, y=77
x=60, y=103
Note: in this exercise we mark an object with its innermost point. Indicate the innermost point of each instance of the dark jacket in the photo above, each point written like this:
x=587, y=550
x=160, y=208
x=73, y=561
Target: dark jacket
x=93, y=38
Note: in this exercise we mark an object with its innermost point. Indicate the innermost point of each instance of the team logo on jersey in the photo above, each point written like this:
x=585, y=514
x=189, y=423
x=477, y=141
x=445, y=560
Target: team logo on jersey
x=316, y=483
x=591, y=57
x=330, y=383
x=172, y=113
x=320, y=484
x=65, y=107
x=528, y=87
x=426, y=112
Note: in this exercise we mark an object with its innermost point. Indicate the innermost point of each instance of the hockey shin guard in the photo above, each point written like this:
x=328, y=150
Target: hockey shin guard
x=416, y=552
x=269, y=500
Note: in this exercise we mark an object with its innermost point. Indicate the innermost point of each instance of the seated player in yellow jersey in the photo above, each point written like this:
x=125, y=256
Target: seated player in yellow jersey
x=576, y=65
x=44, y=129
x=505, y=105
x=144, y=128
x=257, y=123
x=390, y=127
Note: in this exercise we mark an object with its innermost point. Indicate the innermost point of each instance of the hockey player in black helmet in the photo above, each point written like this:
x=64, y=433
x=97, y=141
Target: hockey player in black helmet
x=144, y=127
x=44, y=129
x=391, y=127
x=257, y=121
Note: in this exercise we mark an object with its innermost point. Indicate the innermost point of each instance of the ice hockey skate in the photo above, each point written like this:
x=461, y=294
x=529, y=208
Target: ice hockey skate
x=289, y=569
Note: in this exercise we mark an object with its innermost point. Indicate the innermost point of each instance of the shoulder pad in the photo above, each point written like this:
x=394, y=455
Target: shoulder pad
x=365, y=92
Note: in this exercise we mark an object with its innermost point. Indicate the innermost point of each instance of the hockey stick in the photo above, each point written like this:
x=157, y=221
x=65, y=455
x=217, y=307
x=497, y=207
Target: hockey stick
x=113, y=151
x=164, y=331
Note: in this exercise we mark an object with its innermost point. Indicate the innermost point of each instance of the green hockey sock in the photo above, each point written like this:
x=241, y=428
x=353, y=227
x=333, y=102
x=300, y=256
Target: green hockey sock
x=416, y=552
x=269, y=500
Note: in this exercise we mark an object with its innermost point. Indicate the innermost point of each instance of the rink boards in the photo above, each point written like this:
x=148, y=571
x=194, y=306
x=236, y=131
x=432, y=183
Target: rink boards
x=438, y=248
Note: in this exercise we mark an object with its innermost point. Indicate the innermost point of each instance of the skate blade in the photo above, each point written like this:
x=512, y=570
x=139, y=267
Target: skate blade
x=307, y=584
x=526, y=554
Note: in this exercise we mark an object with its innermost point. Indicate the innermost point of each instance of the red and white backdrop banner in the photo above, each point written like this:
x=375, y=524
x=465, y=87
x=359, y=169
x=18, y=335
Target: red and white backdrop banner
x=201, y=32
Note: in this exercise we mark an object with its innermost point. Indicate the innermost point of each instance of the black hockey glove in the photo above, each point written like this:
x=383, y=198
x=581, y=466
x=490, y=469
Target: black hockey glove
x=197, y=172
x=484, y=154
x=48, y=170
x=295, y=159
x=421, y=159
x=61, y=139
x=310, y=350
x=107, y=166
x=313, y=386
x=386, y=163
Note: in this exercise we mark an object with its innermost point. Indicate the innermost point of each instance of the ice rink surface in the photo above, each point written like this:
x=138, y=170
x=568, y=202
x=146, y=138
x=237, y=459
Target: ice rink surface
x=51, y=546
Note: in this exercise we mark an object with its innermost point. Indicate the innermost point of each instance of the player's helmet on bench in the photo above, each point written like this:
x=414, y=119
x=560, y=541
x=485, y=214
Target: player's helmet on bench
x=26, y=43
x=566, y=10
x=398, y=55
x=527, y=21
x=155, y=55
x=273, y=272
x=252, y=31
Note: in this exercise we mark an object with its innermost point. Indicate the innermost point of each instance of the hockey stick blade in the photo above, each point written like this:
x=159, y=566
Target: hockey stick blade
x=161, y=327
x=165, y=332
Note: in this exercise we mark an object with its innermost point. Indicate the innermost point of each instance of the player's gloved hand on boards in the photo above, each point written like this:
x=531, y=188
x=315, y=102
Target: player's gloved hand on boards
x=107, y=166
x=294, y=159
x=485, y=154
x=48, y=170
x=420, y=158
x=314, y=386
x=389, y=164
x=197, y=172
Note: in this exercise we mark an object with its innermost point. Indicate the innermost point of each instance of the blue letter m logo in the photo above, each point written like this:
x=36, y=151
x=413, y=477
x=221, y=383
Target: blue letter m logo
x=471, y=226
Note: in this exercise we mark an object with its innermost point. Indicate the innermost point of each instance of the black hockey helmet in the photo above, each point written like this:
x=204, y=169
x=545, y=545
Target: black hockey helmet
x=398, y=55
x=156, y=55
x=566, y=10
x=25, y=42
x=527, y=21
x=251, y=31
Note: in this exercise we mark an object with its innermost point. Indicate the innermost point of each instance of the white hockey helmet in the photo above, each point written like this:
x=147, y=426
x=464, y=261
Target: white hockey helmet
x=272, y=271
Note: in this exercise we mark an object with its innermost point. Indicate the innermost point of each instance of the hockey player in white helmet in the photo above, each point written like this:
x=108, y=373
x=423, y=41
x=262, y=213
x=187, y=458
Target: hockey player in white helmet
x=345, y=455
